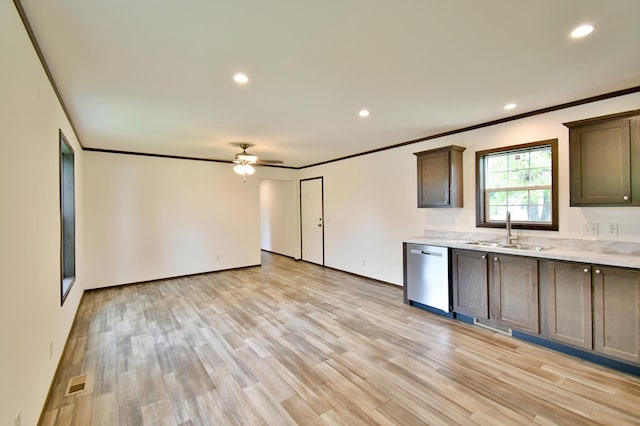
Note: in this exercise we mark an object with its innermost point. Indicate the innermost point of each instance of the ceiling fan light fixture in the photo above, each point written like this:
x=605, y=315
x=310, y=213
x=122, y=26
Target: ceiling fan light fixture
x=244, y=161
x=244, y=169
x=247, y=158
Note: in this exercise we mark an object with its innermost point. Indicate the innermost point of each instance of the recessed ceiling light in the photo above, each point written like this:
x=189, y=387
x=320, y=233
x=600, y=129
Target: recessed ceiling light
x=510, y=106
x=363, y=113
x=582, y=31
x=241, y=78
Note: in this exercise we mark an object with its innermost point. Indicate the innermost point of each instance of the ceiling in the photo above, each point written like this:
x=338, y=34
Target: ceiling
x=155, y=76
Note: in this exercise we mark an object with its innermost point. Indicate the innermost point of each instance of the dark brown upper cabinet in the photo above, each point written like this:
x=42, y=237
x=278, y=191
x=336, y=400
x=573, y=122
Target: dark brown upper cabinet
x=440, y=177
x=604, y=160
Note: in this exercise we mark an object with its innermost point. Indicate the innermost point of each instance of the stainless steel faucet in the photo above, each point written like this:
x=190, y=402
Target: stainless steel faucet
x=510, y=238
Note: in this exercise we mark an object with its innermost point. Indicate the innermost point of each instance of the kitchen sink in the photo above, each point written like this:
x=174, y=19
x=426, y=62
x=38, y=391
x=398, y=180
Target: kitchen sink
x=524, y=247
x=508, y=246
x=484, y=243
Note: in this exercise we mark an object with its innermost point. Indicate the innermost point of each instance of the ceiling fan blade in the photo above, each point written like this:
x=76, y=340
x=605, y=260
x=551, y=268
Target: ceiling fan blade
x=245, y=157
x=269, y=162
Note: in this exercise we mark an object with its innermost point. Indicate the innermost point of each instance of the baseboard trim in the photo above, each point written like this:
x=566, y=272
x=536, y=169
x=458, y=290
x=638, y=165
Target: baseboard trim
x=579, y=353
x=361, y=276
x=195, y=274
x=464, y=318
x=280, y=254
x=593, y=357
x=430, y=309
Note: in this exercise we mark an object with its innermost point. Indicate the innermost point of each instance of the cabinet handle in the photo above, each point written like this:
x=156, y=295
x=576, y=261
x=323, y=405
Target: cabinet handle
x=484, y=257
x=586, y=269
x=495, y=258
x=598, y=271
x=447, y=201
x=626, y=198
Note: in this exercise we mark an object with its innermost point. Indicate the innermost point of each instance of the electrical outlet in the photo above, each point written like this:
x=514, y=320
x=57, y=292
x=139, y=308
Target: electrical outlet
x=612, y=229
x=589, y=229
x=51, y=349
x=17, y=420
x=218, y=257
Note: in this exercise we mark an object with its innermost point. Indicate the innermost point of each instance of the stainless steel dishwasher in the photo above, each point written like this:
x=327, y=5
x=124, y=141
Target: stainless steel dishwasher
x=427, y=276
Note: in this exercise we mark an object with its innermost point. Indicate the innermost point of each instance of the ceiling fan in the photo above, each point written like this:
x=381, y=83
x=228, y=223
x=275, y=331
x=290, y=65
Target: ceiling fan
x=245, y=161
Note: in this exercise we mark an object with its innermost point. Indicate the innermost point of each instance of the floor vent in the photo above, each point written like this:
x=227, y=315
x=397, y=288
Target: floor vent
x=493, y=326
x=77, y=384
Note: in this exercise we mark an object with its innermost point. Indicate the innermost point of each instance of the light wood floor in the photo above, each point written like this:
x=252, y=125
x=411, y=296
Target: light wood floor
x=294, y=343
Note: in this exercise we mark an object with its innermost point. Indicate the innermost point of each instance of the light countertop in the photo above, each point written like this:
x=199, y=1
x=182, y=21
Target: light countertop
x=558, y=251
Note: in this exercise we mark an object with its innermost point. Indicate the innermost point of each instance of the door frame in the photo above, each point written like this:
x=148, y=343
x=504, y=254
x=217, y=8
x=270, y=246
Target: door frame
x=301, y=218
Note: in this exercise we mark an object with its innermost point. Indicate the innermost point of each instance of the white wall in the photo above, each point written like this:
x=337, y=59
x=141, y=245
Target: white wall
x=30, y=311
x=370, y=201
x=279, y=218
x=150, y=218
x=144, y=218
x=369, y=207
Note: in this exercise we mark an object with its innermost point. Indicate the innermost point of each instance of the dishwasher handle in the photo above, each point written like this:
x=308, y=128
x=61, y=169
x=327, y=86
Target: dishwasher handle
x=426, y=253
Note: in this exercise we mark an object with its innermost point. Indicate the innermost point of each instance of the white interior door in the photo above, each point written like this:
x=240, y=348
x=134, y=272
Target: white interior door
x=312, y=220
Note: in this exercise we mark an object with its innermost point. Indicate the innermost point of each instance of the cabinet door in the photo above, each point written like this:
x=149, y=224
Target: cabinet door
x=616, y=300
x=513, y=281
x=470, y=285
x=434, y=179
x=601, y=164
x=566, y=298
x=440, y=177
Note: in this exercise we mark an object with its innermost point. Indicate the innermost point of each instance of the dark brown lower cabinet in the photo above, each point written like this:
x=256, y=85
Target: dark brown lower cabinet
x=470, y=285
x=616, y=312
x=566, y=302
x=497, y=287
x=595, y=308
x=592, y=307
x=513, y=284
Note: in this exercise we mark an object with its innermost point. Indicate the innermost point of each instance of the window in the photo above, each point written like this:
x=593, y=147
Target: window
x=67, y=218
x=521, y=179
